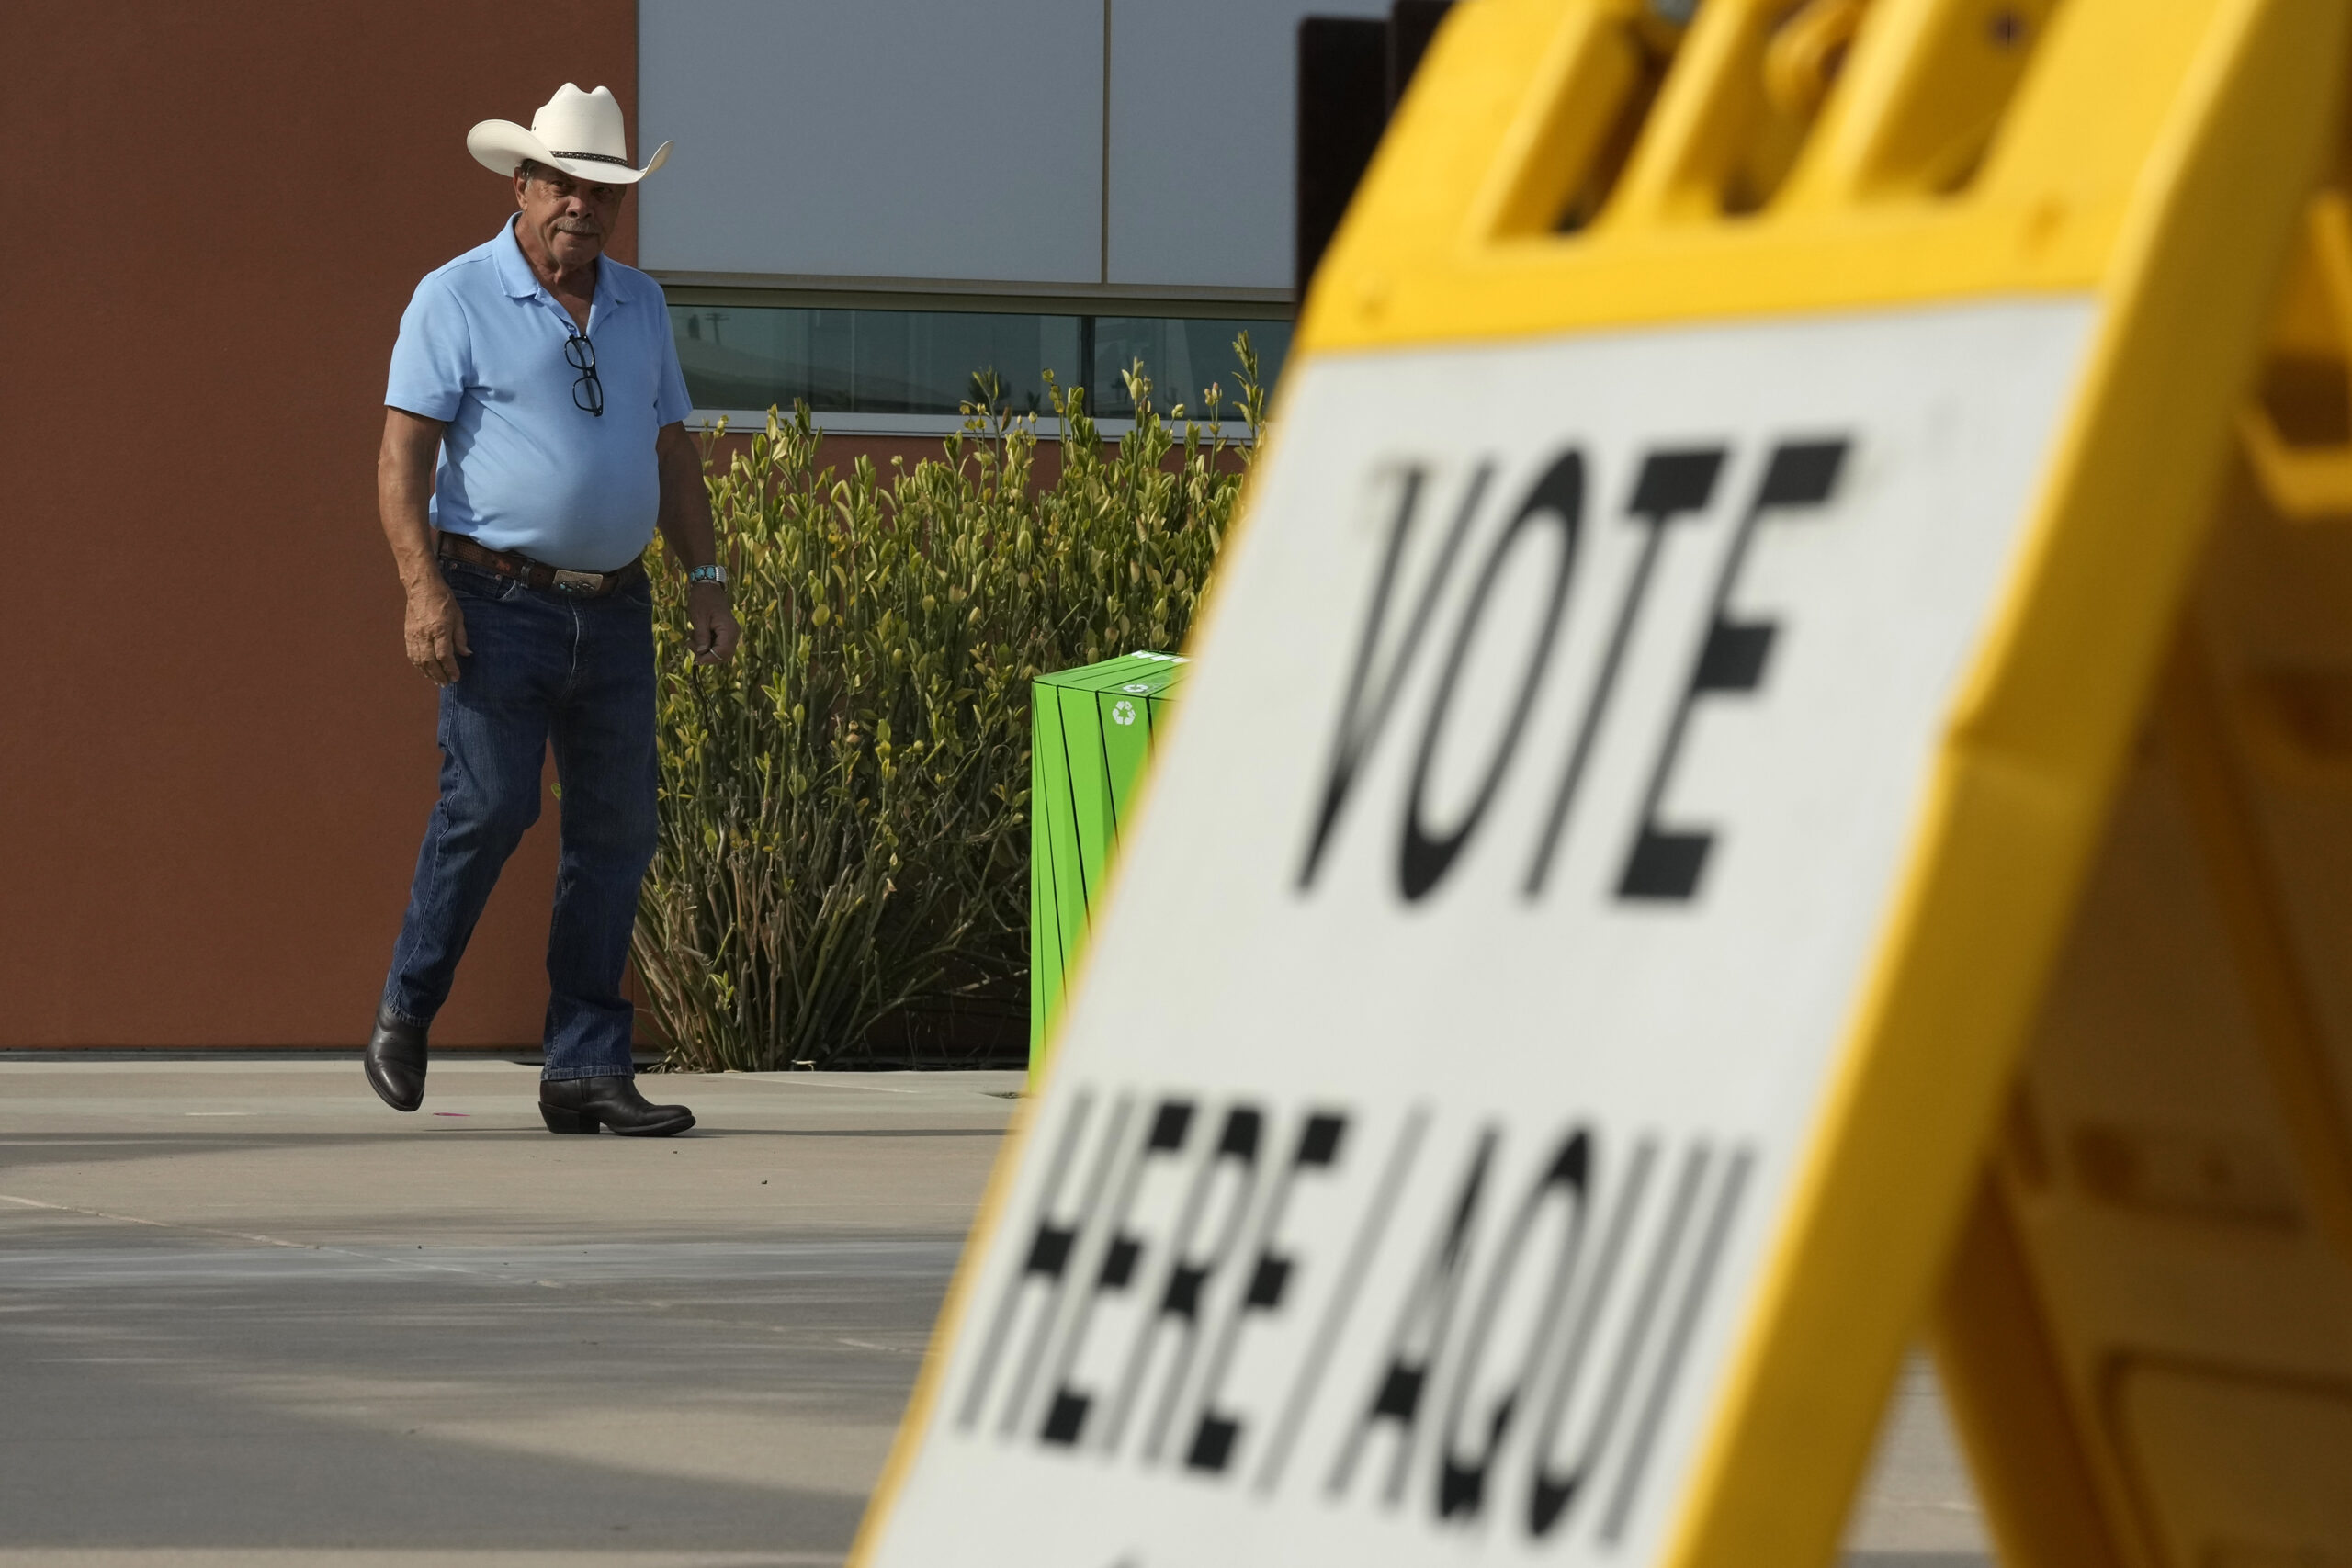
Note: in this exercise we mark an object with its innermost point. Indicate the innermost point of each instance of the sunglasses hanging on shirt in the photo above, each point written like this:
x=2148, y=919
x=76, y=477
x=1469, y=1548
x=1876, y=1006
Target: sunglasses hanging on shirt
x=587, y=393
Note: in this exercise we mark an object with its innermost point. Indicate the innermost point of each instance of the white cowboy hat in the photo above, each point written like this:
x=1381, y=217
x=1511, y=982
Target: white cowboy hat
x=578, y=132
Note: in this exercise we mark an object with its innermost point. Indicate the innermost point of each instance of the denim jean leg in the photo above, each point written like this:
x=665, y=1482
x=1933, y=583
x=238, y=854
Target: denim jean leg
x=493, y=736
x=603, y=739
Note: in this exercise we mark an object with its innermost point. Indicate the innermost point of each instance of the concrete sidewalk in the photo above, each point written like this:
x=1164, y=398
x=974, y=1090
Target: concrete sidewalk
x=248, y=1315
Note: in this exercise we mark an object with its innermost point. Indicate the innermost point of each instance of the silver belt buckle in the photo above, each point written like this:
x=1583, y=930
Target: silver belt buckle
x=578, y=581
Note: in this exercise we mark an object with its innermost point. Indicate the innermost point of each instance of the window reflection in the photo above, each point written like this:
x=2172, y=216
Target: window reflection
x=1183, y=356
x=928, y=362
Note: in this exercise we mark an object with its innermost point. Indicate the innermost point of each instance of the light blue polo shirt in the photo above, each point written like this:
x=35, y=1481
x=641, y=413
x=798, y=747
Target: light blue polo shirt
x=482, y=348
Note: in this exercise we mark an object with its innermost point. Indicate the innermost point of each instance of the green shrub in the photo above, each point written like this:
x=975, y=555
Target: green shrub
x=844, y=806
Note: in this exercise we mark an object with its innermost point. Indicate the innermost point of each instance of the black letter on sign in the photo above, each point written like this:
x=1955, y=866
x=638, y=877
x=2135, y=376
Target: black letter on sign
x=1051, y=1241
x=1697, y=1283
x=1340, y=1300
x=1419, y=1338
x=1215, y=1434
x=1462, y=1476
x=1358, y=728
x=1672, y=484
x=1664, y=864
x=1556, y=1491
x=1189, y=1273
x=1066, y=1416
x=1558, y=499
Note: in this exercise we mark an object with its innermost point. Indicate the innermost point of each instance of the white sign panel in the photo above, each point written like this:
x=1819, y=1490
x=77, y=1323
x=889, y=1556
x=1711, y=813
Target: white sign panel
x=1429, y=1108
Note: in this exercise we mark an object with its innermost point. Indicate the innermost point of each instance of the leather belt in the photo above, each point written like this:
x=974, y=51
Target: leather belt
x=536, y=573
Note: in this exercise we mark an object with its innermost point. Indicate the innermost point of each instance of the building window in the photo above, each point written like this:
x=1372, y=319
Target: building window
x=861, y=368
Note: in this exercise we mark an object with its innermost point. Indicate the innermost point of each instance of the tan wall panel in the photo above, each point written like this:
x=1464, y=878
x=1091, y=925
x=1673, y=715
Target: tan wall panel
x=214, y=764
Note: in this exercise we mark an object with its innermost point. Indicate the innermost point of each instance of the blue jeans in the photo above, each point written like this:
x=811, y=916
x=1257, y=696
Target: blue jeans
x=546, y=669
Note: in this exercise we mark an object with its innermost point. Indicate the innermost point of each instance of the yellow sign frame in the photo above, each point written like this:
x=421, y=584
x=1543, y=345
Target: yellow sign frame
x=2156, y=156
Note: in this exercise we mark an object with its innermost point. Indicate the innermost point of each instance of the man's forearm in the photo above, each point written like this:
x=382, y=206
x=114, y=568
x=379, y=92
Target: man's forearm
x=403, y=488
x=686, y=503
x=408, y=531
x=434, y=630
x=689, y=536
x=685, y=524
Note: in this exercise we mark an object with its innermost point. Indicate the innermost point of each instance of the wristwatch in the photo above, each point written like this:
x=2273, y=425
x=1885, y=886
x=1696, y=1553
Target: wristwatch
x=708, y=574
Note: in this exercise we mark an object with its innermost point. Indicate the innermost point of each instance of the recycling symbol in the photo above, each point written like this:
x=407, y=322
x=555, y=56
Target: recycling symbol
x=1136, y=686
x=1122, y=711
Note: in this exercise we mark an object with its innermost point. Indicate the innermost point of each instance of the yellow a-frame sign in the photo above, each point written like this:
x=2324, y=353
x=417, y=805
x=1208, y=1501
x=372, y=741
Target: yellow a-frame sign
x=1572, y=997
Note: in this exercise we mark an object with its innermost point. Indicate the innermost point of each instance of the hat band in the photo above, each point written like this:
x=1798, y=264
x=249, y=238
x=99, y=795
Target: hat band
x=592, y=157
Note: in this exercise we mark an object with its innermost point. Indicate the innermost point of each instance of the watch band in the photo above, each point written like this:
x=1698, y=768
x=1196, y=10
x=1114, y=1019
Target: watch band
x=708, y=574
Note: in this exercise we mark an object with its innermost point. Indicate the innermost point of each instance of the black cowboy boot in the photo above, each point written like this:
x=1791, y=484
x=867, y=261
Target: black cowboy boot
x=583, y=1105
x=396, y=1061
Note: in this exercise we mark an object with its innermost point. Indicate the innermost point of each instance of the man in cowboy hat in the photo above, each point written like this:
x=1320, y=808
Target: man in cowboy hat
x=541, y=374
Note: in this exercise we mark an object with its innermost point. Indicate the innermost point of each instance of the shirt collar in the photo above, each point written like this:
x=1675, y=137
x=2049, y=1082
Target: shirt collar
x=513, y=272
x=516, y=276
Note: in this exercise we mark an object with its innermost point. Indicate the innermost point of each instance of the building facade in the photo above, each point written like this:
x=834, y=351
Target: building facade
x=214, y=763
x=872, y=203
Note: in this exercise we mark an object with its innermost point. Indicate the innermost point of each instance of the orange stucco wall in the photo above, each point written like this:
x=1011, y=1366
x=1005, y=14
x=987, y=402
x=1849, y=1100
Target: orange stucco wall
x=214, y=763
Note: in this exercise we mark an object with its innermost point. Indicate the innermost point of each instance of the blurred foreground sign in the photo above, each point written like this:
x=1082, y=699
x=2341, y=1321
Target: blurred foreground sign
x=1437, y=1082
x=1540, y=1040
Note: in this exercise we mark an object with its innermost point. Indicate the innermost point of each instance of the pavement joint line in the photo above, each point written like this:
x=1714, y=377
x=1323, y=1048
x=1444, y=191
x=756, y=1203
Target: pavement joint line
x=399, y=1262
x=160, y=1224
x=771, y=1080
x=244, y=1235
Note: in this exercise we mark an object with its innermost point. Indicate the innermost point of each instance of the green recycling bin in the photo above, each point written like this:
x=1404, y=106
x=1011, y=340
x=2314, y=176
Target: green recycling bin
x=1090, y=729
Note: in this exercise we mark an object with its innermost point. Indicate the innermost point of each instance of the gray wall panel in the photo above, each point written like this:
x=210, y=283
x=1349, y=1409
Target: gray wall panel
x=882, y=139
x=1203, y=103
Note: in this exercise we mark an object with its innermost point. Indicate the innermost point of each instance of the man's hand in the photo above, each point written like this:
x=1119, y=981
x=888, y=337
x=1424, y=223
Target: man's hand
x=435, y=632
x=711, y=621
